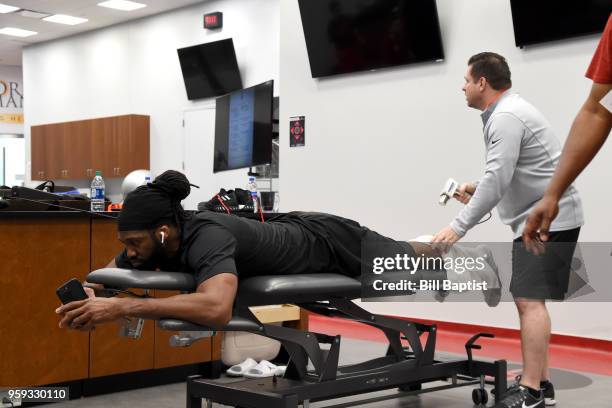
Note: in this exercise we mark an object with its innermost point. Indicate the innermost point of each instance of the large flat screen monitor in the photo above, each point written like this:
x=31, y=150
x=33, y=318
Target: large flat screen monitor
x=210, y=69
x=243, y=128
x=538, y=21
x=356, y=35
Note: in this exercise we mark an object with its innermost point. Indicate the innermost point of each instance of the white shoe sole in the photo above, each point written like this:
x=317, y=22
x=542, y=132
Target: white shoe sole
x=492, y=296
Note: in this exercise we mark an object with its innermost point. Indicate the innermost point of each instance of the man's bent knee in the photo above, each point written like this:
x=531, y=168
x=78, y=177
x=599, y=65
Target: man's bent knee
x=528, y=305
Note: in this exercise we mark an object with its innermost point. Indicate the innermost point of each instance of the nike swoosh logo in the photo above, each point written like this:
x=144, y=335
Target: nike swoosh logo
x=531, y=406
x=493, y=142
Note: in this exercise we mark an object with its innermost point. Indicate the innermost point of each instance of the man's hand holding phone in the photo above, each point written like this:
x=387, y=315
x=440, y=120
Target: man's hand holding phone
x=81, y=309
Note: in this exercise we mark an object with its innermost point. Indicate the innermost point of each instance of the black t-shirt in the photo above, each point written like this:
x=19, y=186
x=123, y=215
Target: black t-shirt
x=294, y=243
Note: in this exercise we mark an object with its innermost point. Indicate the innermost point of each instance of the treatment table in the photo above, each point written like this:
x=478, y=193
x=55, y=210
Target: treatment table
x=403, y=368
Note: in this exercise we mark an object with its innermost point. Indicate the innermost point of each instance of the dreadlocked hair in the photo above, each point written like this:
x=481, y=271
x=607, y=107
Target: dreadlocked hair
x=176, y=186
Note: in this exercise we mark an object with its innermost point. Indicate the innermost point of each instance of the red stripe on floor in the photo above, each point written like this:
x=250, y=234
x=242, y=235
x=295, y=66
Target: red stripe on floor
x=566, y=352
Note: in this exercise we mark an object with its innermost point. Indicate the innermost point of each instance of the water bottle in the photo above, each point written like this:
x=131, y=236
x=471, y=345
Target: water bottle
x=97, y=193
x=252, y=187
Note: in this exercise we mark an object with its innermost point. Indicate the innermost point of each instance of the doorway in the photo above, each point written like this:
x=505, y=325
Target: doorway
x=12, y=160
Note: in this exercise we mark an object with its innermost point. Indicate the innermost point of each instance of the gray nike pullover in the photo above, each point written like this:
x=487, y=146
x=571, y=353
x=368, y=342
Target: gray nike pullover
x=522, y=153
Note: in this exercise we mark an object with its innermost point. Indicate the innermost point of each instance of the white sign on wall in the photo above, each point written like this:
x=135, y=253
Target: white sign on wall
x=11, y=100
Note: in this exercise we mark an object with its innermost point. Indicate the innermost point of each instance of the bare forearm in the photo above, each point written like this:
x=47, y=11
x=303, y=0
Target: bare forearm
x=193, y=307
x=588, y=133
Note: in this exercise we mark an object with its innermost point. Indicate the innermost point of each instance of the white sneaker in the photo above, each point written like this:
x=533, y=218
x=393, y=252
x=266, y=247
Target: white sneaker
x=492, y=295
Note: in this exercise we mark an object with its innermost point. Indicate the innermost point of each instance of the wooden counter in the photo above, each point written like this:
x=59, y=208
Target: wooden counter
x=37, y=255
x=39, y=251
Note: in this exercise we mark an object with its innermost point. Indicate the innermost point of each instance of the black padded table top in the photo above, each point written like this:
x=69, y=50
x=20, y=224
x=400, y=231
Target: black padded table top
x=236, y=324
x=254, y=291
x=276, y=289
x=135, y=279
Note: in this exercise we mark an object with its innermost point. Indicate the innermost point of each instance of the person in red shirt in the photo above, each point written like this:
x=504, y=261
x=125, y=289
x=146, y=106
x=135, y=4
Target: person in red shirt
x=588, y=133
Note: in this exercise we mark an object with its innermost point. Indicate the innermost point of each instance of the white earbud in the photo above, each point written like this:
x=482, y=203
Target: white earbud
x=163, y=236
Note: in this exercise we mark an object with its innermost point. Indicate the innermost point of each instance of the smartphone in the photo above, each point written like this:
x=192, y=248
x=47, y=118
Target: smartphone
x=71, y=291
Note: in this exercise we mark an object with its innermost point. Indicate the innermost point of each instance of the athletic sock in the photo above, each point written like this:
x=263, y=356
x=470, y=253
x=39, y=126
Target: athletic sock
x=534, y=393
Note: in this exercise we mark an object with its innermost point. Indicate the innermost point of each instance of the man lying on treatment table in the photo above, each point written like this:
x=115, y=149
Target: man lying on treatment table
x=218, y=249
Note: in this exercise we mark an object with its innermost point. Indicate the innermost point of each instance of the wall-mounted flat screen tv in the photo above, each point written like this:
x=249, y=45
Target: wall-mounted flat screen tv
x=210, y=69
x=357, y=35
x=243, y=128
x=539, y=21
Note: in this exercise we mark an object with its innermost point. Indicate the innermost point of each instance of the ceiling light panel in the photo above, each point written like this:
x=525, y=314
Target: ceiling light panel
x=5, y=8
x=123, y=5
x=65, y=19
x=17, y=32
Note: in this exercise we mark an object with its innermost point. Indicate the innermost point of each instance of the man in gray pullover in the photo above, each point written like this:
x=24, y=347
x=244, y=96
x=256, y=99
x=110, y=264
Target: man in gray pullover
x=521, y=155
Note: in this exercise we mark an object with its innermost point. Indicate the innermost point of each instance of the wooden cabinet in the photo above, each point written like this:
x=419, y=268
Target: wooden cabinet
x=38, y=255
x=103, y=145
x=131, y=148
x=110, y=353
x=113, y=354
x=75, y=150
x=37, y=147
x=52, y=137
x=41, y=253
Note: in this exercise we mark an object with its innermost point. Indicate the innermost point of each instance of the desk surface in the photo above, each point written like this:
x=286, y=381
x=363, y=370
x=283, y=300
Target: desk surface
x=4, y=214
x=7, y=213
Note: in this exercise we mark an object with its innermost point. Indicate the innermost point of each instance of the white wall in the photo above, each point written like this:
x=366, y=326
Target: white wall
x=11, y=96
x=14, y=163
x=134, y=68
x=380, y=145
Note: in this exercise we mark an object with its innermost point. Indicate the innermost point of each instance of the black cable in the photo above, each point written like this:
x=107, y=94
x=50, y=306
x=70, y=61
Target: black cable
x=111, y=292
x=62, y=206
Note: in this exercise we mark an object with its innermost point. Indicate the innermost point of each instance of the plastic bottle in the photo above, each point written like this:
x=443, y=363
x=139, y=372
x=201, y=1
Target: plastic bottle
x=252, y=187
x=97, y=193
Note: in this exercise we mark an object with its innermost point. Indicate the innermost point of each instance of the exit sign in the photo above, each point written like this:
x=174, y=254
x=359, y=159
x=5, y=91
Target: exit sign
x=213, y=20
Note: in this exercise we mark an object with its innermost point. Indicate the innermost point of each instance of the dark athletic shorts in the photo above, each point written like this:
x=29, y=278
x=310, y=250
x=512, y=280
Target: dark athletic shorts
x=345, y=239
x=543, y=276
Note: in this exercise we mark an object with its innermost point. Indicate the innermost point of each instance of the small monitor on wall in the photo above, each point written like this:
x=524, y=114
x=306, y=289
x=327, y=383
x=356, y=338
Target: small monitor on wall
x=357, y=35
x=210, y=69
x=243, y=128
x=538, y=21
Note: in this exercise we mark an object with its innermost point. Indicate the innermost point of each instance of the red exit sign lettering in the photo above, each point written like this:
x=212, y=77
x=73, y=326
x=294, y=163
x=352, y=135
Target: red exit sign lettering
x=213, y=20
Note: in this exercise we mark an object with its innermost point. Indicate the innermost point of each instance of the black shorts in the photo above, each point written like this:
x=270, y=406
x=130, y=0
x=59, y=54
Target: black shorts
x=544, y=276
x=345, y=238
